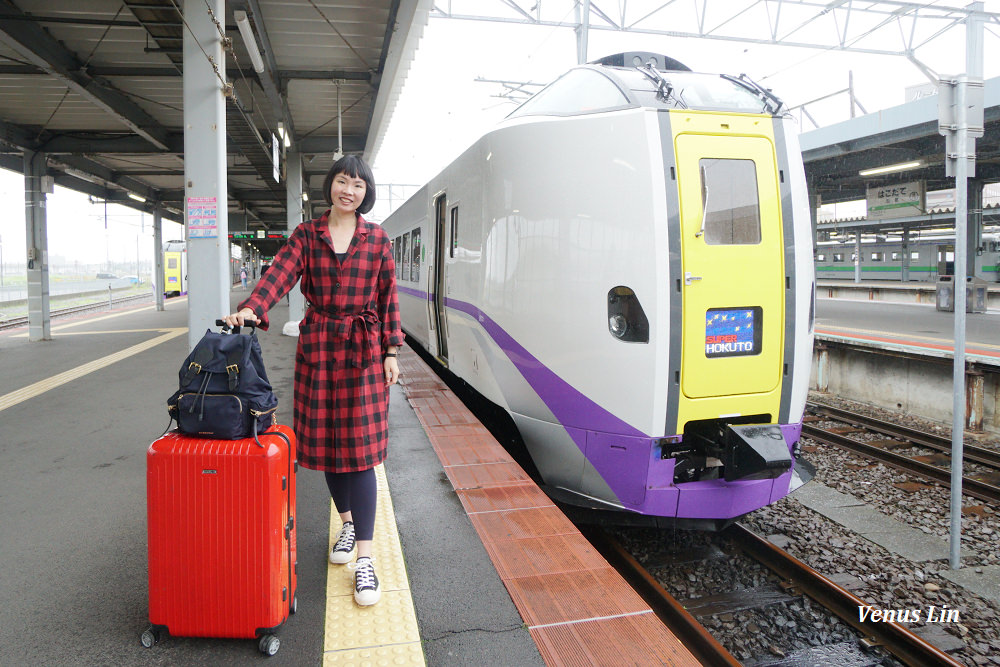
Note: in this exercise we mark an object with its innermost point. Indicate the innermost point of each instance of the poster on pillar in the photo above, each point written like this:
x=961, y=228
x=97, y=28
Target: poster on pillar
x=896, y=200
x=202, y=217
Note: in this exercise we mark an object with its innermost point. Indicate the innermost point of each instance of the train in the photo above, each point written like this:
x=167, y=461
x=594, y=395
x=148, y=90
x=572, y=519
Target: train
x=883, y=258
x=624, y=265
x=175, y=272
x=174, y=268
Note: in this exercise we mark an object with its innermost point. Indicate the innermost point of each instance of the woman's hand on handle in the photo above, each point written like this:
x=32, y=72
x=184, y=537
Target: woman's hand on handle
x=240, y=318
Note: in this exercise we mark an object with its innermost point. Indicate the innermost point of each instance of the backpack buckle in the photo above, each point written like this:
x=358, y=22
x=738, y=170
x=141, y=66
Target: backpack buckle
x=193, y=369
x=233, y=371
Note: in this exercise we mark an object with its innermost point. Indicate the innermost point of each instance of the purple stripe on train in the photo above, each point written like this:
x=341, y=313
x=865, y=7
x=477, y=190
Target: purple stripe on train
x=578, y=414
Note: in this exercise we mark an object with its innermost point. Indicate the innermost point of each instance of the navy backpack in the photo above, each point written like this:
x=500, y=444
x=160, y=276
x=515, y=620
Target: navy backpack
x=224, y=391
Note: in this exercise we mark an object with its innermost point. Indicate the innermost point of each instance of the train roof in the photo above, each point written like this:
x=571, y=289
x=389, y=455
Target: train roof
x=656, y=82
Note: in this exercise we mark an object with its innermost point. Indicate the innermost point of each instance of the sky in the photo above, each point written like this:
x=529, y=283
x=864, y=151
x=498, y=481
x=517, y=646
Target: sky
x=443, y=109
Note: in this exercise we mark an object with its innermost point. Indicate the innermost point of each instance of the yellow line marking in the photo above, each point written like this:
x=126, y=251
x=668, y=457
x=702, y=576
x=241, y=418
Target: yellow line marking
x=42, y=386
x=91, y=320
x=115, y=331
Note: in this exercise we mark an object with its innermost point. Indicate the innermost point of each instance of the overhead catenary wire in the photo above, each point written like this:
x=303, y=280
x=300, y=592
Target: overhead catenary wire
x=341, y=35
x=85, y=64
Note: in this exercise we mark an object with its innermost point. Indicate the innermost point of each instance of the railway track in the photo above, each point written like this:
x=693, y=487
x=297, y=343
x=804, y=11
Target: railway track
x=797, y=577
x=15, y=322
x=984, y=485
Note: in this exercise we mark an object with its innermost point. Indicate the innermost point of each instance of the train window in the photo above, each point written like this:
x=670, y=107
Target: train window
x=914, y=255
x=405, y=252
x=820, y=258
x=729, y=201
x=454, y=231
x=838, y=257
x=878, y=256
x=896, y=256
x=415, y=261
x=577, y=91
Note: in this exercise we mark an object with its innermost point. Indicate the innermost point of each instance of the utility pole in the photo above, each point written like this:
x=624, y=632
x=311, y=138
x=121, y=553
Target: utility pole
x=960, y=110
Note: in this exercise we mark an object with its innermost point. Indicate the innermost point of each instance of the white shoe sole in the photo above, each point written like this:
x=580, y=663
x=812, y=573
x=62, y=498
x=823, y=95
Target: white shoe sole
x=367, y=598
x=341, y=557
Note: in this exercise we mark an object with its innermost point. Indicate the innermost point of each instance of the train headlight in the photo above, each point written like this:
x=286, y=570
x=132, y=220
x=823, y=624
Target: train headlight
x=618, y=325
x=626, y=320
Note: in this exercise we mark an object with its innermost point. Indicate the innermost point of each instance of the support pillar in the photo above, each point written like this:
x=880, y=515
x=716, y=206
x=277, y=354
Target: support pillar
x=158, y=286
x=975, y=389
x=822, y=368
x=37, y=242
x=205, y=193
x=582, y=30
x=293, y=193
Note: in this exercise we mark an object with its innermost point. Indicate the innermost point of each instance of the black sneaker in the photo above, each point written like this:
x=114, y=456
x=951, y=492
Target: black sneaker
x=366, y=587
x=343, y=550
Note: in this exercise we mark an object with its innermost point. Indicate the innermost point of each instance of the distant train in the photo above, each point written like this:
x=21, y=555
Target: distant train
x=624, y=265
x=884, y=260
x=175, y=272
x=174, y=268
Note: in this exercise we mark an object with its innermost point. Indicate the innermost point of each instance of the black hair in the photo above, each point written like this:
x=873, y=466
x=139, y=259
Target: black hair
x=355, y=167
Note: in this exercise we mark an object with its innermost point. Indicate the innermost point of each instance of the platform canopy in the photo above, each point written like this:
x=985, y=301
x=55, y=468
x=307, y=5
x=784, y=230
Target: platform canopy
x=96, y=85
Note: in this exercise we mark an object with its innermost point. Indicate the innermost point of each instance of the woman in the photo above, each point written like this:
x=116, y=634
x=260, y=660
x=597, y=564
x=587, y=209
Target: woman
x=346, y=356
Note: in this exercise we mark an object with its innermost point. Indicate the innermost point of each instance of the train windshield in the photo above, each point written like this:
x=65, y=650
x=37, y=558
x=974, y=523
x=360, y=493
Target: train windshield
x=578, y=91
x=693, y=90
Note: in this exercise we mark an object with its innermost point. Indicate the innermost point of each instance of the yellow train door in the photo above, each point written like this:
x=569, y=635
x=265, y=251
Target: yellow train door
x=733, y=272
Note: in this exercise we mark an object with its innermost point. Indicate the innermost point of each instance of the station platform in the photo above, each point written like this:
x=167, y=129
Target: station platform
x=477, y=565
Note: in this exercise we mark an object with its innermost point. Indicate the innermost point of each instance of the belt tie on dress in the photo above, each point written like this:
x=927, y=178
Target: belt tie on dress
x=353, y=329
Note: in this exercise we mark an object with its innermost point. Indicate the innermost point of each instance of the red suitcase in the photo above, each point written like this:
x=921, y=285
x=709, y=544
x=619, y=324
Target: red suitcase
x=221, y=522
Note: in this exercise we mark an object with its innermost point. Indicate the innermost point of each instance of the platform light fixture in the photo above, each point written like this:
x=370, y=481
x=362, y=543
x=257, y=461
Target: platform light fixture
x=243, y=23
x=136, y=197
x=891, y=168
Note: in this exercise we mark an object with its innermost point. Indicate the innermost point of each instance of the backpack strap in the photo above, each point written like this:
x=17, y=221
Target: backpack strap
x=202, y=355
x=233, y=368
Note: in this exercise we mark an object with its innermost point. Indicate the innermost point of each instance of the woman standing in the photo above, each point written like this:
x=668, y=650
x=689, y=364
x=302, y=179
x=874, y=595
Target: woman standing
x=346, y=356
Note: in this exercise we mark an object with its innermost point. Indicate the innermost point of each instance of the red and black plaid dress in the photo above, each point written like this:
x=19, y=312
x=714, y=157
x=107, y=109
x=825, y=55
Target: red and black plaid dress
x=341, y=399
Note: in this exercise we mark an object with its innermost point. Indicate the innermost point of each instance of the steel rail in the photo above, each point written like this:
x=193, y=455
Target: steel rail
x=685, y=627
x=894, y=637
x=930, y=440
x=970, y=487
x=72, y=310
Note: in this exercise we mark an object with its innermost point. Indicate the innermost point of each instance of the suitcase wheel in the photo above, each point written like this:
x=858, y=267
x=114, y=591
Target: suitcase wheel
x=269, y=645
x=150, y=637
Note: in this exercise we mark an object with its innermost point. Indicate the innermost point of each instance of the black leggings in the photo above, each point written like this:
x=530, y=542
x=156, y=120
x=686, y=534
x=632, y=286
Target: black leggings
x=355, y=492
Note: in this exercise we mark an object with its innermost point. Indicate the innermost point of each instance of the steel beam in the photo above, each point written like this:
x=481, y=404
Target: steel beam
x=39, y=48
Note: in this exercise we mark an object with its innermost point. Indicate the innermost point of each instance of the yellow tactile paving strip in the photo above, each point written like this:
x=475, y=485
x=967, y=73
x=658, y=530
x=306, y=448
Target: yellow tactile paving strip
x=578, y=609
x=385, y=633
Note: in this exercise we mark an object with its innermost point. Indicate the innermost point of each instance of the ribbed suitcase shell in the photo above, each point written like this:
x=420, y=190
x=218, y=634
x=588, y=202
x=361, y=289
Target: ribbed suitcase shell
x=221, y=534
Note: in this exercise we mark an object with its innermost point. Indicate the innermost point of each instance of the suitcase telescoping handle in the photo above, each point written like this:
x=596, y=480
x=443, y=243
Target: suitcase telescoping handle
x=236, y=330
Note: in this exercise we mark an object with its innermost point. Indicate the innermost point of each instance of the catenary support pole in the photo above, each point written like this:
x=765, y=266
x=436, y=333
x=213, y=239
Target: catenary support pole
x=973, y=68
x=205, y=192
x=37, y=242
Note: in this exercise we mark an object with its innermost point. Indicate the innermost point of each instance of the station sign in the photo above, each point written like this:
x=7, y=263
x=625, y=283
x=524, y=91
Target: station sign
x=897, y=200
x=259, y=234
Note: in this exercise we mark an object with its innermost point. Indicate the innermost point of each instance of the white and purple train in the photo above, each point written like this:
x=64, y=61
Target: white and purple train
x=624, y=265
